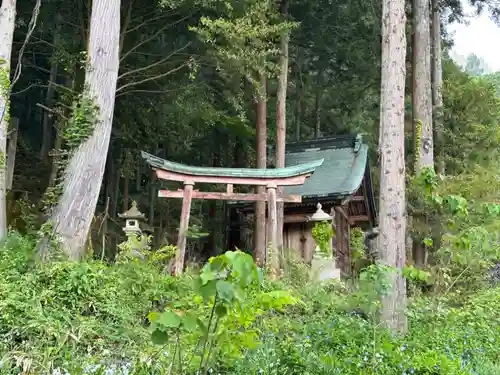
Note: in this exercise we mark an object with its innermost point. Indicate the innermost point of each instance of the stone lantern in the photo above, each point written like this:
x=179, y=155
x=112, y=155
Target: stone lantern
x=133, y=219
x=323, y=268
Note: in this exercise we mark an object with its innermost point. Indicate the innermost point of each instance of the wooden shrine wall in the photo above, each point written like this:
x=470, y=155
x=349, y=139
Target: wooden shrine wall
x=297, y=236
x=342, y=241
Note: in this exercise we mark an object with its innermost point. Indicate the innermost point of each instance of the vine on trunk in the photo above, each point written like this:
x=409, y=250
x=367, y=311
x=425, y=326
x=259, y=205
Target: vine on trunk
x=418, y=142
x=5, y=90
x=5, y=94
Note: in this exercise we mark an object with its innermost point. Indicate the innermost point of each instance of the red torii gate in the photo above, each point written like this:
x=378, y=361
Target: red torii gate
x=189, y=175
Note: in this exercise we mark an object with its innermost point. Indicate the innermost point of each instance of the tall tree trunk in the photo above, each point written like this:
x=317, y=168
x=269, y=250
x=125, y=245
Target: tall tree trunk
x=56, y=157
x=422, y=102
x=49, y=96
x=138, y=178
x=300, y=95
x=422, y=94
x=115, y=189
x=259, y=248
x=11, y=152
x=437, y=84
x=391, y=241
x=74, y=212
x=126, y=185
x=210, y=246
x=317, y=104
x=7, y=25
x=109, y=177
x=281, y=128
x=153, y=197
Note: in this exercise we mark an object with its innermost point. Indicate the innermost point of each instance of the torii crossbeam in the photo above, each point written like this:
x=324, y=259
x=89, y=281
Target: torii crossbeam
x=189, y=176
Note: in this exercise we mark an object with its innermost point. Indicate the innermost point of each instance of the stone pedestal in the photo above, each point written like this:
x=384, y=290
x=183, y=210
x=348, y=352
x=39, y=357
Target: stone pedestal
x=324, y=269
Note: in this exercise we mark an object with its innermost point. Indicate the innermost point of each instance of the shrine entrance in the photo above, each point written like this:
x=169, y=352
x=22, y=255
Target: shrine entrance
x=189, y=176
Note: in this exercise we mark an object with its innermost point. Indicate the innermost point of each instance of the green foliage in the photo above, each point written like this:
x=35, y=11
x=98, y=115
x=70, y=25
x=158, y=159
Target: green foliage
x=357, y=243
x=327, y=340
x=59, y=311
x=229, y=286
x=87, y=318
x=5, y=94
x=245, y=37
x=471, y=114
x=323, y=233
x=460, y=230
x=83, y=120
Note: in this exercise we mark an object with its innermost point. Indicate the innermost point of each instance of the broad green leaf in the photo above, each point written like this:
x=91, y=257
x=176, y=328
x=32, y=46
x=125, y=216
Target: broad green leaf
x=239, y=293
x=206, y=275
x=190, y=322
x=208, y=290
x=225, y=290
x=159, y=337
x=169, y=319
x=153, y=315
x=217, y=264
x=220, y=310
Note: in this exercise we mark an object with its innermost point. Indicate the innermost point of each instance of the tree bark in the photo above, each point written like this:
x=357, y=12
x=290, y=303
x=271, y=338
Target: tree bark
x=422, y=94
x=56, y=157
x=138, y=178
x=55, y=160
x=259, y=251
x=153, y=196
x=422, y=102
x=126, y=184
x=437, y=84
x=391, y=241
x=74, y=212
x=299, y=94
x=7, y=25
x=281, y=128
x=11, y=152
x=317, y=104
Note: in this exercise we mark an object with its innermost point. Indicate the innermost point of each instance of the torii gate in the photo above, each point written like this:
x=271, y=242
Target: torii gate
x=189, y=175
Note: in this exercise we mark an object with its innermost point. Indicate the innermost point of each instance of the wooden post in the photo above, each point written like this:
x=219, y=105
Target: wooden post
x=11, y=152
x=183, y=227
x=273, y=229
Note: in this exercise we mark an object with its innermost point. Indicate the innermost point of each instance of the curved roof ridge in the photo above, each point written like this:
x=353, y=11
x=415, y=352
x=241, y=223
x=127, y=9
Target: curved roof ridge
x=290, y=171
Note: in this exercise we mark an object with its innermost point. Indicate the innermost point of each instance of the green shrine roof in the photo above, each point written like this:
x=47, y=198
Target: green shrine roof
x=296, y=169
x=341, y=174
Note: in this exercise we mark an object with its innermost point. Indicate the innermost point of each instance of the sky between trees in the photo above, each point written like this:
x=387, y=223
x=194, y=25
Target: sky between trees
x=479, y=37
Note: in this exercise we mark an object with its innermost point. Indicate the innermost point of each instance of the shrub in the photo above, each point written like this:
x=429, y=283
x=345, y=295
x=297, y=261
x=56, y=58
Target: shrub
x=56, y=312
x=90, y=318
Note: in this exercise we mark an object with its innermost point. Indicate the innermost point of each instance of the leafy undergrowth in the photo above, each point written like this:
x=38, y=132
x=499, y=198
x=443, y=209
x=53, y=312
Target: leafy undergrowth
x=91, y=318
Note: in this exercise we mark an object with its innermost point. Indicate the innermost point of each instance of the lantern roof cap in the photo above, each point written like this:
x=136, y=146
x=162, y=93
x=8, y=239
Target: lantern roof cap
x=132, y=213
x=320, y=215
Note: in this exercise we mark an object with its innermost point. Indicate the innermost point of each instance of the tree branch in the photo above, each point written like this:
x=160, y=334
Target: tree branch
x=31, y=28
x=151, y=78
x=147, y=91
x=162, y=15
x=51, y=111
x=151, y=38
x=125, y=25
x=153, y=64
